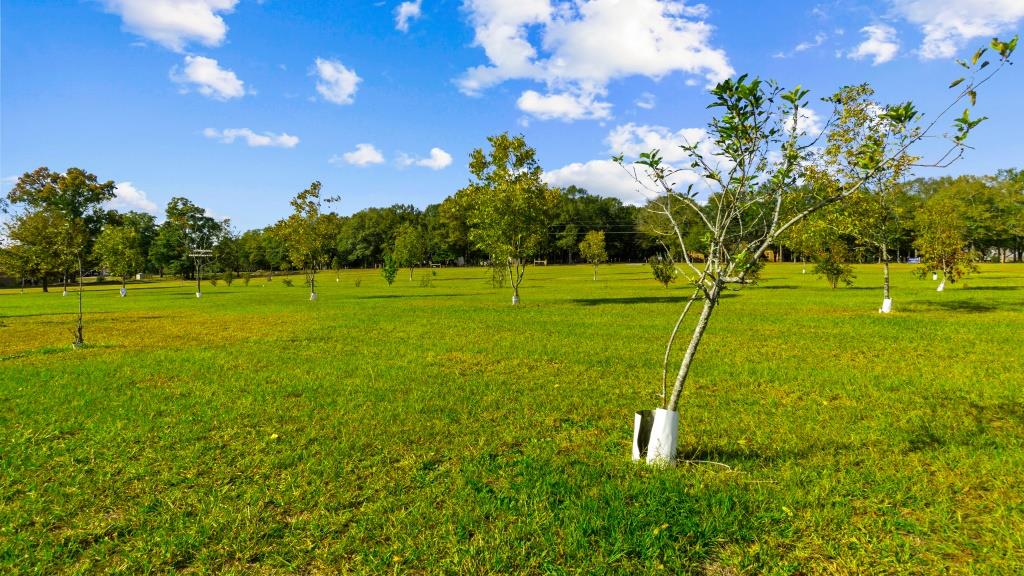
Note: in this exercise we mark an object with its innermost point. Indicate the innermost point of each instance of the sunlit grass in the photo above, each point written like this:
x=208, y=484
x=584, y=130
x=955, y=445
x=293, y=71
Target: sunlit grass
x=439, y=429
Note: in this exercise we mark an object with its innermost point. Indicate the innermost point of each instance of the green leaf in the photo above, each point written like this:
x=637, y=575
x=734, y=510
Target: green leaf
x=956, y=82
x=974, y=97
x=977, y=55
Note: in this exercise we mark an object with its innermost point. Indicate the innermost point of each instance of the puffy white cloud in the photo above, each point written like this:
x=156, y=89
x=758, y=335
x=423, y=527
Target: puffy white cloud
x=128, y=197
x=438, y=160
x=564, y=106
x=254, y=140
x=363, y=155
x=406, y=12
x=601, y=177
x=575, y=48
x=948, y=24
x=174, y=23
x=646, y=101
x=336, y=83
x=881, y=44
x=208, y=78
x=632, y=139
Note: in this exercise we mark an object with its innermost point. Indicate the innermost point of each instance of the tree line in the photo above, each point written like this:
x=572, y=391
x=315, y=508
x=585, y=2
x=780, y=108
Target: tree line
x=58, y=219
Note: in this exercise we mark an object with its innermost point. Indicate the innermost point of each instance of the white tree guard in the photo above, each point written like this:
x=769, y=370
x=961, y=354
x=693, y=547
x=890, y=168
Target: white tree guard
x=199, y=294
x=312, y=296
x=655, y=435
x=886, y=306
x=942, y=286
x=124, y=292
x=935, y=275
x=662, y=449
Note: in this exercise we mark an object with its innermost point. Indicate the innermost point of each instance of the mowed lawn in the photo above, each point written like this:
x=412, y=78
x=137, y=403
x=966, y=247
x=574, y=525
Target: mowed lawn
x=437, y=429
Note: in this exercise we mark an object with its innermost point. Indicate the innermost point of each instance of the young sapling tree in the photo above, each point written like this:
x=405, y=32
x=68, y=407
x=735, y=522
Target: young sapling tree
x=765, y=174
x=508, y=204
x=118, y=250
x=308, y=242
x=592, y=249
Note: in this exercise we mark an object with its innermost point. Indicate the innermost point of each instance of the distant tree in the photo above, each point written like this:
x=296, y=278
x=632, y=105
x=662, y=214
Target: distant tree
x=119, y=250
x=389, y=269
x=42, y=243
x=410, y=247
x=831, y=261
x=942, y=240
x=508, y=204
x=663, y=269
x=304, y=232
x=592, y=249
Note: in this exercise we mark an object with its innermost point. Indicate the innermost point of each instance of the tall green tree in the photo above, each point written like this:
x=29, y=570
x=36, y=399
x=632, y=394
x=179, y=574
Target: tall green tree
x=509, y=204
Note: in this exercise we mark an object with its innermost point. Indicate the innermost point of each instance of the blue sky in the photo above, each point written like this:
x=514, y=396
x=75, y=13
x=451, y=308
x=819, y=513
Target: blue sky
x=240, y=104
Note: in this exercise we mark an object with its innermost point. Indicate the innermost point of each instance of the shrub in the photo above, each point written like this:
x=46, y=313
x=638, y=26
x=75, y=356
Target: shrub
x=357, y=282
x=213, y=281
x=426, y=281
x=228, y=277
x=287, y=282
x=246, y=278
x=663, y=268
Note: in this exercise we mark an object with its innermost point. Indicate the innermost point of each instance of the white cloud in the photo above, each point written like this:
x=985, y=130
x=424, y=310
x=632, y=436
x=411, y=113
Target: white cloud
x=206, y=75
x=564, y=106
x=174, y=23
x=948, y=24
x=808, y=123
x=577, y=47
x=128, y=197
x=254, y=140
x=881, y=44
x=646, y=101
x=405, y=12
x=632, y=139
x=363, y=155
x=438, y=160
x=336, y=83
x=819, y=39
x=601, y=177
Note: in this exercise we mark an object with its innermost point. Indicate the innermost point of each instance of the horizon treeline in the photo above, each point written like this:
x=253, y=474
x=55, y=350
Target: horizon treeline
x=989, y=209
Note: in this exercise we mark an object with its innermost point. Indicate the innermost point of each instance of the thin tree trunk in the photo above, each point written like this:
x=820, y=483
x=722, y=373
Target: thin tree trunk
x=691, y=350
x=595, y=272
x=79, y=338
x=885, y=269
x=46, y=286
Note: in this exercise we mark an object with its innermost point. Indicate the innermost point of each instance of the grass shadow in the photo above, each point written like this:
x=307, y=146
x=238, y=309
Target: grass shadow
x=640, y=300
x=963, y=306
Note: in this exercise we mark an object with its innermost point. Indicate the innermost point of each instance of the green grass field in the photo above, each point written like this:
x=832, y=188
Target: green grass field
x=412, y=429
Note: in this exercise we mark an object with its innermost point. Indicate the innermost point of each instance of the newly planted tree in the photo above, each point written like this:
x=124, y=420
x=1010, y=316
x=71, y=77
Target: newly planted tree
x=592, y=249
x=508, y=205
x=118, y=250
x=411, y=246
x=754, y=160
x=942, y=241
x=304, y=232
